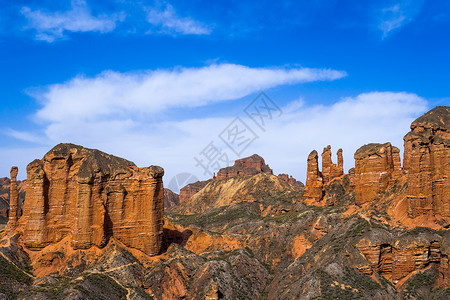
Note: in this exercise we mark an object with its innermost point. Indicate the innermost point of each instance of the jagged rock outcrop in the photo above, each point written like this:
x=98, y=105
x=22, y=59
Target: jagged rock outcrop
x=289, y=179
x=427, y=163
x=248, y=166
x=376, y=166
x=91, y=196
x=329, y=169
x=170, y=198
x=316, y=179
x=191, y=189
x=398, y=258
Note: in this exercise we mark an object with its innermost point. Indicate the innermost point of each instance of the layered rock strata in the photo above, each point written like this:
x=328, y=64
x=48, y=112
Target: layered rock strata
x=396, y=259
x=376, y=166
x=92, y=196
x=427, y=163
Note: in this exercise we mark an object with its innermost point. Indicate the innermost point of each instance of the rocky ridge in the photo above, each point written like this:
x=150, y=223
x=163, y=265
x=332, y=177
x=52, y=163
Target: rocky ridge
x=258, y=236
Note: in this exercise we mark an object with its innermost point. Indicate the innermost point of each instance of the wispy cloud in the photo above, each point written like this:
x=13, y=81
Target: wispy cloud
x=397, y=15
x=150, y=92
x=50, y=26
x=167, y=21
x=347, y=123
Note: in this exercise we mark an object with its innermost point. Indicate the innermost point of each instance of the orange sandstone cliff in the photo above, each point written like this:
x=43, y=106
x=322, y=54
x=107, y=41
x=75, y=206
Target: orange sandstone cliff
x=376, y=166
x=427, y=163
x=90, y=196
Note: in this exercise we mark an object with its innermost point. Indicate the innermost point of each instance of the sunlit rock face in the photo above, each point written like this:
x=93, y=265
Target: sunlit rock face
x=427, y=163
x=91, y=196
x=376, y=166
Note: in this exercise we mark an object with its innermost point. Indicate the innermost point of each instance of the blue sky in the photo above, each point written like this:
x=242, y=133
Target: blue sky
x=157, y=81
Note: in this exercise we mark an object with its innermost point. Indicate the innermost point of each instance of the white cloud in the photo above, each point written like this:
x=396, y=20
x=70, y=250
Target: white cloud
x=118, y=94
x=169, y=22
x=50, y=26
x=398, y=15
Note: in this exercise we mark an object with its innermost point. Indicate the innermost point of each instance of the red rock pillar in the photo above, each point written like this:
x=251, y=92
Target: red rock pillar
x=150, y=217
x=13, y=201
x=340, y=162
x=326, y=164
x=314, y=182
x=36, y=206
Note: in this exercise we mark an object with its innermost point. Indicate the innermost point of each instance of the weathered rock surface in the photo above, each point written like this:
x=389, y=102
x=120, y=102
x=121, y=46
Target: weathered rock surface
x=191, y=189
x=427, y=163
x=248, y=166
x=376, y=166
x=91, y=196
x=289, y=179
x=5, y=189
x=316, y=180
x=170, y=198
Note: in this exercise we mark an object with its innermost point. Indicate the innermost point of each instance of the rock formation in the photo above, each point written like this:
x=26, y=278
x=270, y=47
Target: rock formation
x=289, y=179
x=248, y=166
x=13, y=201
x=376, y=166
x=170, y=198
x=191, y=189
x=91, y=196
x=396, y=259
x=329, y=169
x=315, y=180
x=427, y=163
x=5, y=189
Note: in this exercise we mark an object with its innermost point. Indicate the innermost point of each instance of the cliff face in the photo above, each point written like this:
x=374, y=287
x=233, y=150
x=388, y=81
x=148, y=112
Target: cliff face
x=427, y=163
x=91, y=196
x=376, y=166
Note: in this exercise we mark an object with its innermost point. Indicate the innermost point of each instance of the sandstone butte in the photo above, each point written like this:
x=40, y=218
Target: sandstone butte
x=89, y=196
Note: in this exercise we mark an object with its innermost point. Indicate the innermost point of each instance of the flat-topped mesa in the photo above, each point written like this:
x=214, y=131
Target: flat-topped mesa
x=91, y=196
x=314, y=181
x=427, y=163
x=376, y=166
x=13, y=201
x=248, y=166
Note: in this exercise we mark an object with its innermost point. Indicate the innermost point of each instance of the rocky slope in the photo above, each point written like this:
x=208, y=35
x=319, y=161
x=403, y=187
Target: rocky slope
x=361, y=235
